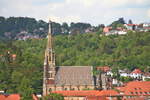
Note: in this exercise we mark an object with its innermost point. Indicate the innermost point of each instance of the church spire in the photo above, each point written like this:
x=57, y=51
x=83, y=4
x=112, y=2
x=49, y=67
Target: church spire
x=49, y=49
x=49, y=63
x=49, y=44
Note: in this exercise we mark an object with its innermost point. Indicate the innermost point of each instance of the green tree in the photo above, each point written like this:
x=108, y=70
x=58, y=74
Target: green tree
x=25, y=89
x=53, y=96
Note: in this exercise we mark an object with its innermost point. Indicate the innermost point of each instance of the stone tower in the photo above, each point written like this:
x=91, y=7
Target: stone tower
x=49, y=63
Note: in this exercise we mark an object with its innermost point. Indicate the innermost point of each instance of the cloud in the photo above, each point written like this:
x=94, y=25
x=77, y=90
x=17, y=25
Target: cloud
x=91, y=11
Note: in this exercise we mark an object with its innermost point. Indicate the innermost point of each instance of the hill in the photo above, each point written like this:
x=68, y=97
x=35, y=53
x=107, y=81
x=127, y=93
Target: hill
x=17, y=27
x=24, y=74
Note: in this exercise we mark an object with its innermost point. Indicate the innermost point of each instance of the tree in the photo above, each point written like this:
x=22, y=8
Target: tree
x=120, y=22
x=25, y=89
x=53, y=96
x=130, y=22
x=65, y=28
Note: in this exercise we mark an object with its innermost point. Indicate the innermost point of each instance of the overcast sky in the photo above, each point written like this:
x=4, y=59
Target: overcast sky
x=90, y=11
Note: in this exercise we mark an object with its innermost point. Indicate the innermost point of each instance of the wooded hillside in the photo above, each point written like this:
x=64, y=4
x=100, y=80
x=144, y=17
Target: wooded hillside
x=24, y=75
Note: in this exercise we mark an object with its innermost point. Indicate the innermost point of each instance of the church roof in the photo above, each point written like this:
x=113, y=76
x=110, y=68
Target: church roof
x=74, y=75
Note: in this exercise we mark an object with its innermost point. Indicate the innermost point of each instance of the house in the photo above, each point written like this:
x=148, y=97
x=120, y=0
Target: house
x=107, y=29
x=136, y=73
x=131, y=26
x=146, y=24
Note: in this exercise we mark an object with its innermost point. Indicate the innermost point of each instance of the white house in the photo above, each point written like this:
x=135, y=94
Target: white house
x=136, y=73
x=131, y=26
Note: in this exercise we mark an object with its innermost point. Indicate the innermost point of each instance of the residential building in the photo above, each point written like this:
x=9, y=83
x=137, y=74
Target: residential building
x=131, y=26
x=136, y=73
x=109, y=31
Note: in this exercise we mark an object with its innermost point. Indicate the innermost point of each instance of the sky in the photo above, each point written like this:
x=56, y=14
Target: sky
x=89, y=11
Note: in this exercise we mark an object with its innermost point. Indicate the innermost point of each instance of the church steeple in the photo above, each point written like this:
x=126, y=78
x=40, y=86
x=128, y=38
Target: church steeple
x=49, y=53
x=49, y=63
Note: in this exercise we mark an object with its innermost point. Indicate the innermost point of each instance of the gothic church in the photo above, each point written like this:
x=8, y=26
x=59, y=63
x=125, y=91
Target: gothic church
x=63, y=78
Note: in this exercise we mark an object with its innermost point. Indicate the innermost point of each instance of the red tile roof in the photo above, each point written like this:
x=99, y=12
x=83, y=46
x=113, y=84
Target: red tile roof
x=132, y=24
x=88, y=93
x=121, y=89
x=2, y=97
x=10, y=97
x=103, y=68
x=137, y=71
x=137, y=88
x=108, y=93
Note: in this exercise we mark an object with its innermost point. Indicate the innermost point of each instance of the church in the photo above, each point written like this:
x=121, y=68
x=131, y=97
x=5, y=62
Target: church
x=63, y=78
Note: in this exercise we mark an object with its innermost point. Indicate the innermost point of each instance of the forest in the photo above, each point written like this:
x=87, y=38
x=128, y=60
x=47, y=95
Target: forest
x=13, y=26
x=24, y=73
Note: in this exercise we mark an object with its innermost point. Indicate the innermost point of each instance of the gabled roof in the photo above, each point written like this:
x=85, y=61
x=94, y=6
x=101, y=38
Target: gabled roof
x=136, y=71
x=74, y=75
